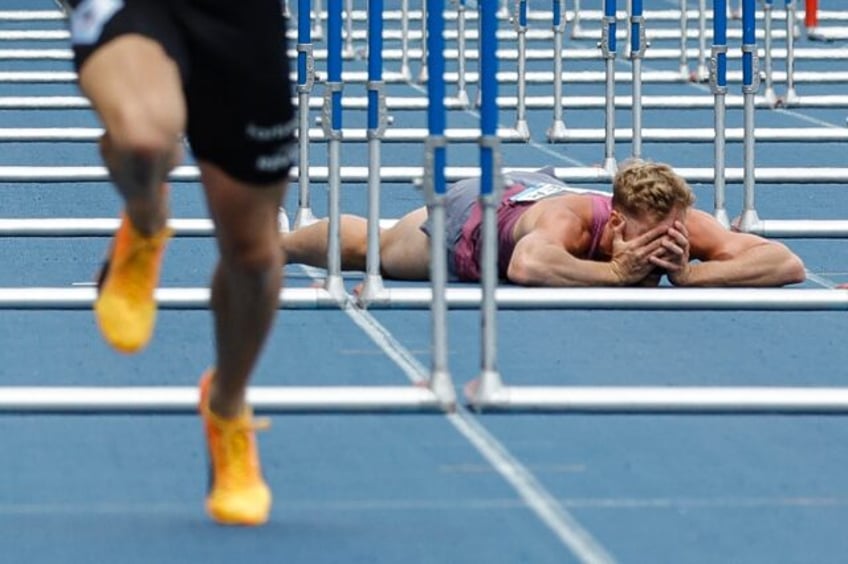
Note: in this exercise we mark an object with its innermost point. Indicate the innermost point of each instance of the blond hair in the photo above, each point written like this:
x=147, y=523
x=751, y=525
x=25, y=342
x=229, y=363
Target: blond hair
x=650, y=189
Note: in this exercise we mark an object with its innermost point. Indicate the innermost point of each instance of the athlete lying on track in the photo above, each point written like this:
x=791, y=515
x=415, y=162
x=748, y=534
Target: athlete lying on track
x=553, y=235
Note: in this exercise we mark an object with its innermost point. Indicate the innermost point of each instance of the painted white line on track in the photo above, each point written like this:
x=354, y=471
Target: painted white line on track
x=566, y=528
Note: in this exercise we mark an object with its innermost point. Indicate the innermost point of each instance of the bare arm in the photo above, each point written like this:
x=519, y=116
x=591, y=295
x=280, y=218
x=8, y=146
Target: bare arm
x=542, y=257
x=727, y=258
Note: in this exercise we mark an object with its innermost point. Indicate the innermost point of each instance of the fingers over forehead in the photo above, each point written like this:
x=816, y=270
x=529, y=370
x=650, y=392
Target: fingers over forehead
x=652, y=234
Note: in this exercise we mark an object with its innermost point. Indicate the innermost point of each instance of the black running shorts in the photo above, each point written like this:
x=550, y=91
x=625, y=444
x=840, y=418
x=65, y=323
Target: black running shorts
x=234, y=67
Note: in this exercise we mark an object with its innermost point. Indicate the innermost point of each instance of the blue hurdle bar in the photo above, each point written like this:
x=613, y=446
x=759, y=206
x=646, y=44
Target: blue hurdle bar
x=718, y=84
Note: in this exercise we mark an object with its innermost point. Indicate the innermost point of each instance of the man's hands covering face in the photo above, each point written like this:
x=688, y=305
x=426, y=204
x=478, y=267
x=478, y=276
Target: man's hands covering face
x=660, y=249
x=674, y=258
x=631, y=260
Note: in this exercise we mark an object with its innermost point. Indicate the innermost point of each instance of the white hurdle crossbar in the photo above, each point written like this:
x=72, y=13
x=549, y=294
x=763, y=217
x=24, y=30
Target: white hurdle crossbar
x=409, y=174
x=129, y=400
x=419, y=103
x=355, y=135
x=665, y=399
x=200, y=227
x=504, y=77
x=469, y=297
x=506, y=135
x=176, y=400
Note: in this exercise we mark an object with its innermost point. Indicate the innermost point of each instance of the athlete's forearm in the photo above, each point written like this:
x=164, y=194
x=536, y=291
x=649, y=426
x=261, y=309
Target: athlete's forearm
x=554, y=267
x=764, y=266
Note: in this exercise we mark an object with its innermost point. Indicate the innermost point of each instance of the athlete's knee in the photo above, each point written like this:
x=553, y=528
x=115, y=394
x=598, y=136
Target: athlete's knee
x=138, y=131
x=354, y=240
x=252, y=255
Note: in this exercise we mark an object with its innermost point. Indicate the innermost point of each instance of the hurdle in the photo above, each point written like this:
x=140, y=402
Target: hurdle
x=489, y=393
x=749, y=221
x=817, y=32
x=439, y=384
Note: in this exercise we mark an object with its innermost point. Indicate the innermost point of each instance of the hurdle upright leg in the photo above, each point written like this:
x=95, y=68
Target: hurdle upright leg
x=718, y=84
x=305, y=82
x=576, y=31
x=684, y=37
x=461, y=90
x=702, y=73
x=349, y=51
x=791, y=96
x=811, y=18
x=373, y=285
x=489, y=382
x=435, y=188
x=520, y=22
x=317, y=25
x=638, y=44
x=423, y=72
x=557, y=129
x=750, y=84
x=332, y=123
x=608, y=46
x=768, y=93
x=404, y=40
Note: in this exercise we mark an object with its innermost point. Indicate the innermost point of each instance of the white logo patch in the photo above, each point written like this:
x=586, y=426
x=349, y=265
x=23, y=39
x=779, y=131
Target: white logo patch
x=89, y=17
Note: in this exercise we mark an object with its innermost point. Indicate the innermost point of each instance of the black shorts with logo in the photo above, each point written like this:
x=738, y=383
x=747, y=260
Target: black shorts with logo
x=233, y=63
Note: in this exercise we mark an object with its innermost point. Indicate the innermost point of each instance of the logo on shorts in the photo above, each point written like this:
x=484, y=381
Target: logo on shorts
x=89, y=17
x=278, y=161
x=276, y=132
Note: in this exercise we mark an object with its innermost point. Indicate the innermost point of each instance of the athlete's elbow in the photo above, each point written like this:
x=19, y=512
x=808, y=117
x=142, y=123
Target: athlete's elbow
x=793, y=270
x=523, y=270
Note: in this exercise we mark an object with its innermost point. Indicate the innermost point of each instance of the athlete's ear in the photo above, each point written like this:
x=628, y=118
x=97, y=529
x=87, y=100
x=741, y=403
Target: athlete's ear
x=616, y=219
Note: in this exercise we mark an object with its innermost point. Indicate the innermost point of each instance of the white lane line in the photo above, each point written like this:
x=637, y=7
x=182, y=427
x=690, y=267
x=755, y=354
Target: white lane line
x=820, y=280
x=566, y=528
